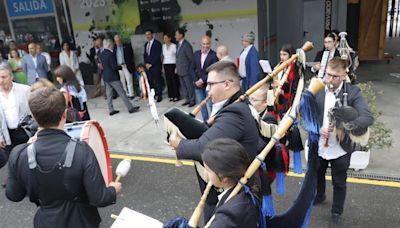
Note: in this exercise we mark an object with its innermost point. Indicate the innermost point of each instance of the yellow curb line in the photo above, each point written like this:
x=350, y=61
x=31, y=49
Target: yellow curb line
x=290, y=174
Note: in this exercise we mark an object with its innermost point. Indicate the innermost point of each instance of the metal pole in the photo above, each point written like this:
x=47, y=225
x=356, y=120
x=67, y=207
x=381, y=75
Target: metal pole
x=57, y=22
x=10, y=22
x=67, y=19
x=392, y=18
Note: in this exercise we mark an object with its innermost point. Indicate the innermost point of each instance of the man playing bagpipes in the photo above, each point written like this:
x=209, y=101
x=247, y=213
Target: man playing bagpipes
x=345, y=117
x=231, y=120
x=59, y=174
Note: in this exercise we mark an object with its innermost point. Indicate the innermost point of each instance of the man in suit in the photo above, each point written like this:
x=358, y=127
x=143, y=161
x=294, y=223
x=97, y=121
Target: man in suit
x=93, y=57
x=223, y=85
x=111, y=78
x=202, y=59
x=124, y=54
x=34, y=65
x=249, y=68
x=184, y=55
x=152, y=60
x=340, y=146
x=13, y=109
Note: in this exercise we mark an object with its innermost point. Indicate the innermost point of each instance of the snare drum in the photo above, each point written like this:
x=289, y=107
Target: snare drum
x=92, y=133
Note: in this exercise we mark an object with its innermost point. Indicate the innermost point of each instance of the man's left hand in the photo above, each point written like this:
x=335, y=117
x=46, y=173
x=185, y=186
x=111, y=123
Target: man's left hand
x=199, y=83
x=148, y=66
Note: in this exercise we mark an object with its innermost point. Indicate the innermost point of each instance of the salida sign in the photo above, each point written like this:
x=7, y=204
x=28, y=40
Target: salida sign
x=20, y=8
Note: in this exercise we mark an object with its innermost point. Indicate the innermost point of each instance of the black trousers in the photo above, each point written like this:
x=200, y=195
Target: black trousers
x=17, y=136
x=339, y=168
x=172, y=80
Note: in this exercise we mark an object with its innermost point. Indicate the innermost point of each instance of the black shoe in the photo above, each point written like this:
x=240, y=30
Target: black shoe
x=319, y=200
x=175, y=99
x=131, y=97
x=186, y=103
x=171, y=99
x=159, y=99
x=336, y=220
x=192, y=104
x=114, y=112
x=134, y=109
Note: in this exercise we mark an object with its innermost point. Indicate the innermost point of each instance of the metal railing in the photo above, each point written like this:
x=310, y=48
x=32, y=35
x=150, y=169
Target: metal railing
x=393, y=19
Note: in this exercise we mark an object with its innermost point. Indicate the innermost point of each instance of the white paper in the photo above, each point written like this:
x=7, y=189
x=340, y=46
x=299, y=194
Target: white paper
x=266, y=67
x=131, y=218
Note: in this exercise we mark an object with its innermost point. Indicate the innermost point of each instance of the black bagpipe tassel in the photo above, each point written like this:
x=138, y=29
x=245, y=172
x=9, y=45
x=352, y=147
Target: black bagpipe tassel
x=282, y=165
x=296, y=145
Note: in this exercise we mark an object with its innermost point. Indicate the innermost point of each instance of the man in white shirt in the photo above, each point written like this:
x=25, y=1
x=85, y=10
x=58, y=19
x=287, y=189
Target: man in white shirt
x=335, y=149
x=13, y=109
x=223, y=54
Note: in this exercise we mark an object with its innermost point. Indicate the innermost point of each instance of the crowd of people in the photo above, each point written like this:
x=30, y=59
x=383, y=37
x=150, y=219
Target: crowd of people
x=191, y=76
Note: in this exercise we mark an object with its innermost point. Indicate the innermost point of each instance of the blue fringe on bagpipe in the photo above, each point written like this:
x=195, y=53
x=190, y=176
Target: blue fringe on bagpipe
x=297, y=166
x=308, y=112
x=268, y=209
x=280, y=183
x=177, y=222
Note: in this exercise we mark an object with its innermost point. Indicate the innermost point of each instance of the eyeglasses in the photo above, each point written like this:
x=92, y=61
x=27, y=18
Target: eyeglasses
x=214, y=83
x=333, y=76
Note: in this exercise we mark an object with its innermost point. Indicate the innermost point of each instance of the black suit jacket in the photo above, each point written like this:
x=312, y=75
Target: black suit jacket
x=128, y=56
x=355, y=100
x=239, y=211
x=229, y=123
x=199, y=72
x=83, y=179
x=155, y=55
x=110, y=66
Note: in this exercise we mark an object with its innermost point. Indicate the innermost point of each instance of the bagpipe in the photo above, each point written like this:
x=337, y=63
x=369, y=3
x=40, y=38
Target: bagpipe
x=347, y=53
x=304, y=103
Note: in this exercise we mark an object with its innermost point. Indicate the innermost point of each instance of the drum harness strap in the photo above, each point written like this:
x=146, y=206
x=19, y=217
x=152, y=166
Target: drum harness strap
x=50, y=183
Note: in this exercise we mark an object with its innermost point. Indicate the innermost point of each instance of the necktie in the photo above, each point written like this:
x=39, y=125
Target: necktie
x=148, y=47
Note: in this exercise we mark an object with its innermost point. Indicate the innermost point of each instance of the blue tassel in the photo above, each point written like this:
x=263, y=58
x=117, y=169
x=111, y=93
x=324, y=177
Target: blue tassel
x=177, y=222
x=297, y=166
x=308, y=110
x=268, y=209
x=280, y=183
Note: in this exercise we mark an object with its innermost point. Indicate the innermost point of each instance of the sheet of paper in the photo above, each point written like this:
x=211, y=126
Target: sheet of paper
x=131, y=218
x=266, y=67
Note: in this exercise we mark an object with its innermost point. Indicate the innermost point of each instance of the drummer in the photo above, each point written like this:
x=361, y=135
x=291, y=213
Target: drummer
x=61, y=176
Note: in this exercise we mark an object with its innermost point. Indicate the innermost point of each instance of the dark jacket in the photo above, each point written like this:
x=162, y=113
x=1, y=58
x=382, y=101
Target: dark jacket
x=110, y=66
x=355, y=100
x=199, y=72
x=239, y=211
x=253, y=73
x=155, y=55
x=229, y=123
x=319, y=55
x=184, y=56
x=83, y=179
x=128, y=56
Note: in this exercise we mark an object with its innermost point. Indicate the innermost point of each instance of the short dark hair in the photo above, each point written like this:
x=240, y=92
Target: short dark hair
x=332, y=35
x=225, y=68
x=68, y=76
x=181, y=31
x=65, y=42
x=337, y=62
x=47, y=106
x=226, y=157
x=149, y=30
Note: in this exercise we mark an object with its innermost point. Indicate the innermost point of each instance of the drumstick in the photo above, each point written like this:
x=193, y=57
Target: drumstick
x=122, y=169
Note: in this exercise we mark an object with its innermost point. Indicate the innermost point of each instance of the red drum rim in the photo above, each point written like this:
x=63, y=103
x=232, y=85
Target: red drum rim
x=85, y=138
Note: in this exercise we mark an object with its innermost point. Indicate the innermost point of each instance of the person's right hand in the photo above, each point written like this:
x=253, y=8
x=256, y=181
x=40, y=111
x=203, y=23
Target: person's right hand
x=317, y=66
x=2, y=144
x=116, y=185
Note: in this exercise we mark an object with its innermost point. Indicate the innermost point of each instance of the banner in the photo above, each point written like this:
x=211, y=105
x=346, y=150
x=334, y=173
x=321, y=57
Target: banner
x=23, y=8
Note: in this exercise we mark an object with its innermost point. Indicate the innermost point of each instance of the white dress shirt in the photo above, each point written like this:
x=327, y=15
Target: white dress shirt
x=242, y=62
x=169, y=53
x=217, y=106
x=148, y=48
x=203, y=58
x=334, y=150
x=10, y=108
x=222, y=194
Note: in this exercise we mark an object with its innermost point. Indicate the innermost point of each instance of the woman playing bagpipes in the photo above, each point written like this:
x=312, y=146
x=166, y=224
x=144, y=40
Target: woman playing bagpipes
x=226, y=161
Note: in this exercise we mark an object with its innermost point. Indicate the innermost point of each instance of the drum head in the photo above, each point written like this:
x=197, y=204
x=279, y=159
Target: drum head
x=93, y=135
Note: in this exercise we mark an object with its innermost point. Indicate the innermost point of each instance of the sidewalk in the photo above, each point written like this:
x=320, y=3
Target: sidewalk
x=138, y=134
